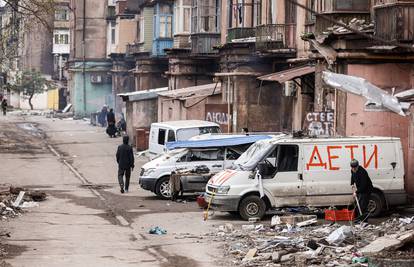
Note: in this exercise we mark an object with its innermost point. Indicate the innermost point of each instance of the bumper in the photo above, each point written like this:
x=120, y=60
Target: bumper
x=147, y=183
x=395, y=197
x=223, y=203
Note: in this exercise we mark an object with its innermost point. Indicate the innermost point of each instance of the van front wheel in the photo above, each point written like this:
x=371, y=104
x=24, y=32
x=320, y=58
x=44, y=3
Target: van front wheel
x=375, y=204
x=252, y=207
x=162, y=189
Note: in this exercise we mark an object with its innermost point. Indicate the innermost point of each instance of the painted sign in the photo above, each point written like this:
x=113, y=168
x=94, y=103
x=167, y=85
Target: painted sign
x=319, y=123
x=330, y=157
x=218, y=113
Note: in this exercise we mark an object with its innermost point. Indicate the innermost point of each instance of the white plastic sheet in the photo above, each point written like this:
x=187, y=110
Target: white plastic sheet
x=360, y=86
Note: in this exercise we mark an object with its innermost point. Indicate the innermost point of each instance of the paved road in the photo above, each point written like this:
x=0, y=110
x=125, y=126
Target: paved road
x=86, y=221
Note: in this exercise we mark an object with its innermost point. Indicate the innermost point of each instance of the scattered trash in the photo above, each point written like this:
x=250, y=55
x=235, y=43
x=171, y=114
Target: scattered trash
x=339, y=235
x=275, y=221
x=14, y=199
x=359, y=260
x=157, y=231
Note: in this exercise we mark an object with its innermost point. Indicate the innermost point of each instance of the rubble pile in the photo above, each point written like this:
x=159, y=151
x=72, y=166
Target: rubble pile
x=356, y=24
x=294, y=242
x=14, y=199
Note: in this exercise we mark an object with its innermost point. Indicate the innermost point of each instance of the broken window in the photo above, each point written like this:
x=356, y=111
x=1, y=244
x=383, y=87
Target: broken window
x=205, y=16
x=287, y=158
x=161, y=136
x=171, y=136
x=203, y=155
x=245, y=13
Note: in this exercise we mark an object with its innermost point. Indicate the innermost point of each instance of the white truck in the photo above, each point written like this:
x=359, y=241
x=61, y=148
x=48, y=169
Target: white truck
x=171, y=131
x=287, y=171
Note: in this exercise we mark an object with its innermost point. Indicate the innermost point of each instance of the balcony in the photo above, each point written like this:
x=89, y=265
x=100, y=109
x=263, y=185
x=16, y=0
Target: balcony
x=160, y=44
x=203, y=43
x=275, y=36
x=395, y=22
x=240, y=33
x=182, y=41
x=135, y=48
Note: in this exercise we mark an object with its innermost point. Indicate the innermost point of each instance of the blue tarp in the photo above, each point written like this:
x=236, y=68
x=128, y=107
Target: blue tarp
x=217, y=142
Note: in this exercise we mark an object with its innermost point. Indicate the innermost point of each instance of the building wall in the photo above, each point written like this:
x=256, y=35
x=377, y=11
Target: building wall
x=95, y=29
x=39, y=102
x=89, y=97
x=174, y=109
x=383, y=123
x=140, y=114
x=148, y=14
x=125, y=34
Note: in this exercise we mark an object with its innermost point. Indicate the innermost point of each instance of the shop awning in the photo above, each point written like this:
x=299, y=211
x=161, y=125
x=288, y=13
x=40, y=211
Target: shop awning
x=287, y=75
x=193, y=91
x=142, y=95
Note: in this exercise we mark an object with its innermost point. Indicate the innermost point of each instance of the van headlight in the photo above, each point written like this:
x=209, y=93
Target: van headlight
x=223, y=189
x=148, y=171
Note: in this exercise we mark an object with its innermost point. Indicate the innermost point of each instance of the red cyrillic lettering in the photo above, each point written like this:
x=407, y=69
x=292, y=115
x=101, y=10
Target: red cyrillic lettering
x=315, y=164
x=351, y=149
x=373, y=155
x=331, y=157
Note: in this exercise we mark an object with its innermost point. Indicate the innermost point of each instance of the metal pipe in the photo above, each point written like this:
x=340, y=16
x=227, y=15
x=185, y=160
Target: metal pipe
x=84, y=56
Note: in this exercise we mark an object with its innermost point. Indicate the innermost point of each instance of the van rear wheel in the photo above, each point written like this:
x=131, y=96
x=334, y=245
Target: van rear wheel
x=162, y=189
x=252, y=207
x=375, y=204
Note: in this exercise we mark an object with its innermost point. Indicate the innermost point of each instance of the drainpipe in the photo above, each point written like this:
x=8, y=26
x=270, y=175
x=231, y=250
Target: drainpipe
x=83, y=54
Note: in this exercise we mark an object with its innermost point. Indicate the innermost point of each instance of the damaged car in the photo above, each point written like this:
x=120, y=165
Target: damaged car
x=210, y=153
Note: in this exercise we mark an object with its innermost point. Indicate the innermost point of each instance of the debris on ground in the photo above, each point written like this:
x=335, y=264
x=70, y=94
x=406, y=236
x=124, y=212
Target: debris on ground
x=13, y=200
x=300, y=241
x=157, y=231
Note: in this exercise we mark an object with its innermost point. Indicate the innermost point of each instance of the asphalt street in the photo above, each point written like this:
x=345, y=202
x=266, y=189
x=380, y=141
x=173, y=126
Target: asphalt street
x=86, y=221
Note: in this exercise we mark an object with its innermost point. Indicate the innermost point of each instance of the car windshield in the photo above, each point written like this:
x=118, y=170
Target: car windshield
x=249, y=159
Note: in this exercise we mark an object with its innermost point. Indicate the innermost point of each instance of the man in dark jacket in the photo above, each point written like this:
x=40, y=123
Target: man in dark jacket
x=110, y=118
x=362, y=187
x=125, y=159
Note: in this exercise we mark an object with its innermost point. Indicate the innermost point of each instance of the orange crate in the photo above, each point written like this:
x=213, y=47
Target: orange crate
x=339, y=215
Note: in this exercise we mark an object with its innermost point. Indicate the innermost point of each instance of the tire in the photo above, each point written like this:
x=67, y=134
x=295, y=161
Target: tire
x=162, y=188
x=252, y=207
x=375, y=204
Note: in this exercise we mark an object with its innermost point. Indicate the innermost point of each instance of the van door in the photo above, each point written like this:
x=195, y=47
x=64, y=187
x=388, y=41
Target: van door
x=286, y=183
x=213, y=159
x=157, y=141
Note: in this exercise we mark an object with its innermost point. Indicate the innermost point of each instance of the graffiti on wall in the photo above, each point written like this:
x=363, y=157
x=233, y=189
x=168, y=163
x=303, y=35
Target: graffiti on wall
x=218, y=113
x=319, y=123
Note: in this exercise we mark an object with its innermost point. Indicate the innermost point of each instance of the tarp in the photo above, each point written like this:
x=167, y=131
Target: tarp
x=360, y=86
x=217, y=142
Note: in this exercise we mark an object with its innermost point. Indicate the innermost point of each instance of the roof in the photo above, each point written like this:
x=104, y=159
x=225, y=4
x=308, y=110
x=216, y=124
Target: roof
x=287, y=75
x=194, y=91
x=142, y=95
x=290, y=139
x=216, y=141
x=185, y=124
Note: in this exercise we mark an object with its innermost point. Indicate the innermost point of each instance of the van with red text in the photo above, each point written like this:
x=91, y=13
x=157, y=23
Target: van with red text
x=287, y=171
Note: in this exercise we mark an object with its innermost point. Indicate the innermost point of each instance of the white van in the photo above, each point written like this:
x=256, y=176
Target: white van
x=215, y=152
x=171, y=131
x=308, y=172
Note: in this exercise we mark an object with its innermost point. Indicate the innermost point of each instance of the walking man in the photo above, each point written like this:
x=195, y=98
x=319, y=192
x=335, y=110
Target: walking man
x=4, y=106
x=125, y=159
x=362, y=188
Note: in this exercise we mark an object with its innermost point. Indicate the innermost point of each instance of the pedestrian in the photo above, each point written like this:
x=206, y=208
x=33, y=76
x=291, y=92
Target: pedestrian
x=125, y=159
x=362, y=188
x=4, y=106
x=110, y=118
x=102, y=116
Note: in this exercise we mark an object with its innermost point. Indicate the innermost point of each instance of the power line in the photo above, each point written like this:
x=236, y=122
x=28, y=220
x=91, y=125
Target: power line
x=370, y=36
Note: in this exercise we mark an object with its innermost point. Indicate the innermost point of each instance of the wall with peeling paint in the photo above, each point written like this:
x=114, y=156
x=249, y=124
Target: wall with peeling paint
x=359, y=121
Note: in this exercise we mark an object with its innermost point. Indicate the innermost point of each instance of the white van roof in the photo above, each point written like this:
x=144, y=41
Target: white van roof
x=184, y=124
x=289, y=139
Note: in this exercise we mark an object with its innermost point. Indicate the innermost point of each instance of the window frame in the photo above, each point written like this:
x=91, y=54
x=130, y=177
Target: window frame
x=179, y=14
x=161, y=132
x=167, y=26
x=61, y=14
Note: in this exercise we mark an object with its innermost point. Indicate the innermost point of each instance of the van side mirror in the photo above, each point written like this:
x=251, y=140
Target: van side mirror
x=393, y=164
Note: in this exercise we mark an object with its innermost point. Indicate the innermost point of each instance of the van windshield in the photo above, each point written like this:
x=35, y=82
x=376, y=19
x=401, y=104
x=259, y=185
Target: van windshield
x=185, y=134
x=256, y=152
x=172, y=153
